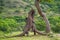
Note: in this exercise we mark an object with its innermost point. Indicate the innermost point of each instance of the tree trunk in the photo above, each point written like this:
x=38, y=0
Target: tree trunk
x=43, y=15
x=30, y=24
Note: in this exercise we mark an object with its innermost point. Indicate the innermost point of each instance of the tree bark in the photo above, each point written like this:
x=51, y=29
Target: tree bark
x=43, y=15
x=30, y=25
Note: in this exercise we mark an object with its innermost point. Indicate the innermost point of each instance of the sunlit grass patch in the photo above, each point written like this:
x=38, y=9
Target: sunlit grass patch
x=30, y=37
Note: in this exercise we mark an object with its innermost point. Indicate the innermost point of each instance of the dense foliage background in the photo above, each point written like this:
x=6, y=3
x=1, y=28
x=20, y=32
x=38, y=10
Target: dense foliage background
x=14, y=12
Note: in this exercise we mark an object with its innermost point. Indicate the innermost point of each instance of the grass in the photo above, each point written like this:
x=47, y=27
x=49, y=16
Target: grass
x=30, y=37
